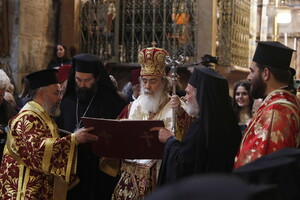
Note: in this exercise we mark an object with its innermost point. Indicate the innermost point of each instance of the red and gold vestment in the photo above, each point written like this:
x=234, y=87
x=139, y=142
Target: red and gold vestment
x=37, y=163
x=274, y=126
x=139, y=177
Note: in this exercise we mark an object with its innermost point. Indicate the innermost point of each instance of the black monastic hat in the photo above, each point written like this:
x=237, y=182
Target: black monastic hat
x=209, y=72
x=86, y=63
x=273, y=54
x=42, y=78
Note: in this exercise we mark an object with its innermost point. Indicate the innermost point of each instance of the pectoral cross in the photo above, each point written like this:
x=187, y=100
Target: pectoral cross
x=106, y=137
x=148, y=138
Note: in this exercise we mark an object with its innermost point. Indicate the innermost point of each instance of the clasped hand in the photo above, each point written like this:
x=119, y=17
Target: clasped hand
x=163, y=133
x=83, y=136
x=175, y=103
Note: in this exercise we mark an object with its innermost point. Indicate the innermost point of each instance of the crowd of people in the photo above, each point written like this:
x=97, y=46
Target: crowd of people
x=46, y=150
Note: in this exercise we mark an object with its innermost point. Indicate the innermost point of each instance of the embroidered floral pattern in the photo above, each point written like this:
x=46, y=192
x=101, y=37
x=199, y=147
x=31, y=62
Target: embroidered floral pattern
x=275, y=126
x=34, y=157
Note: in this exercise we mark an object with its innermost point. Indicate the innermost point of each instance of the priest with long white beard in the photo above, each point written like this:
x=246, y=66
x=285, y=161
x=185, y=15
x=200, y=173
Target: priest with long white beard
x=139, y=177
x=150, y=100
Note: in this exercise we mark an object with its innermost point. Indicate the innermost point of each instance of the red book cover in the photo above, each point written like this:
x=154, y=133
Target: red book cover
x=125, y=138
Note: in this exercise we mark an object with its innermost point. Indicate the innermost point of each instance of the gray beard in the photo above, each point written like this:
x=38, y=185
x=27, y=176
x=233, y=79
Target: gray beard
x=52, y=110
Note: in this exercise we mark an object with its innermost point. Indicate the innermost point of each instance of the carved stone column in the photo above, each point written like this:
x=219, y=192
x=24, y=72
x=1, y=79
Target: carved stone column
x=206, y=28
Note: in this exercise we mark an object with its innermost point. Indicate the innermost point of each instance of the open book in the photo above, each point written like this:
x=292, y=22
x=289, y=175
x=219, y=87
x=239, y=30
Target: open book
x=126, y=138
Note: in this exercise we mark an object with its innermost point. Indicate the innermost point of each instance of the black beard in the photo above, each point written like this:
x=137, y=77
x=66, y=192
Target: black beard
x=258, y=88
x=85, y=94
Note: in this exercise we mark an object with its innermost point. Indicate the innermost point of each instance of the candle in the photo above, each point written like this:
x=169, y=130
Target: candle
x=285, y=39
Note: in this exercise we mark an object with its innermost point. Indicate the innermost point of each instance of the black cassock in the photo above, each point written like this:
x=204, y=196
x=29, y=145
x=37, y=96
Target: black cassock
x=105, y=104
x=94, y=184
x=212, y=140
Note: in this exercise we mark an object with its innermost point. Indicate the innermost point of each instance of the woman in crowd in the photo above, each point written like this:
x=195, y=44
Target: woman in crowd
x=61, y=57
x=242, y=103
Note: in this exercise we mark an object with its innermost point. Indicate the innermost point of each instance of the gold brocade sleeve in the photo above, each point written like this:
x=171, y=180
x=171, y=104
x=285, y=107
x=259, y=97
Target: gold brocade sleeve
x=60, y=159
x=183, y=122
x=72, y=161
x=35, y=143
x=47, y=155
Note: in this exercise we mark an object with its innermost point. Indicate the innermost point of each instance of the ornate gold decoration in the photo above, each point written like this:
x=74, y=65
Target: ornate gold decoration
x=152, y=61
x=234, y=28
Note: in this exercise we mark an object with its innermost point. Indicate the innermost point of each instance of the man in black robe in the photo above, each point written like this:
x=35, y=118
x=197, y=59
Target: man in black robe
x=89, y=93
x=213, y=138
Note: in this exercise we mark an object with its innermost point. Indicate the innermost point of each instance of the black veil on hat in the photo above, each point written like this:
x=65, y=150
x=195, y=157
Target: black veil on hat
x=88, y=63
x=215, y=111
x=42, y=78
x=273, y=54
x=213, y=138
x=218, y=124
x=210, y=83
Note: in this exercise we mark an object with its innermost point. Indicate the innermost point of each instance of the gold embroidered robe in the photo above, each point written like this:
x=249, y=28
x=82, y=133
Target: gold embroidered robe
x=274, y=126
x=37, y=164
x=139, y=177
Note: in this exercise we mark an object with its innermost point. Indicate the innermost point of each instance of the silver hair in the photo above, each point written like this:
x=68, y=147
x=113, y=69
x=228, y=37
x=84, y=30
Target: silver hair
x=33, y=92
x=4, y=80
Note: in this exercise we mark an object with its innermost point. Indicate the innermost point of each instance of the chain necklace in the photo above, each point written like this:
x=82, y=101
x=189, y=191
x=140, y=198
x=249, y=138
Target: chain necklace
x=77, y=126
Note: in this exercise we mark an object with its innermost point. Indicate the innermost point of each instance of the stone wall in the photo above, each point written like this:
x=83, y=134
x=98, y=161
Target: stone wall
x=32, y=37
x=36, y=35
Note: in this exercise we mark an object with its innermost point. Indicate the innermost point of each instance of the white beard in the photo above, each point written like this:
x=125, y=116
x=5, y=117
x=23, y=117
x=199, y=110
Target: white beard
x=192, y=108
x=151, y=102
